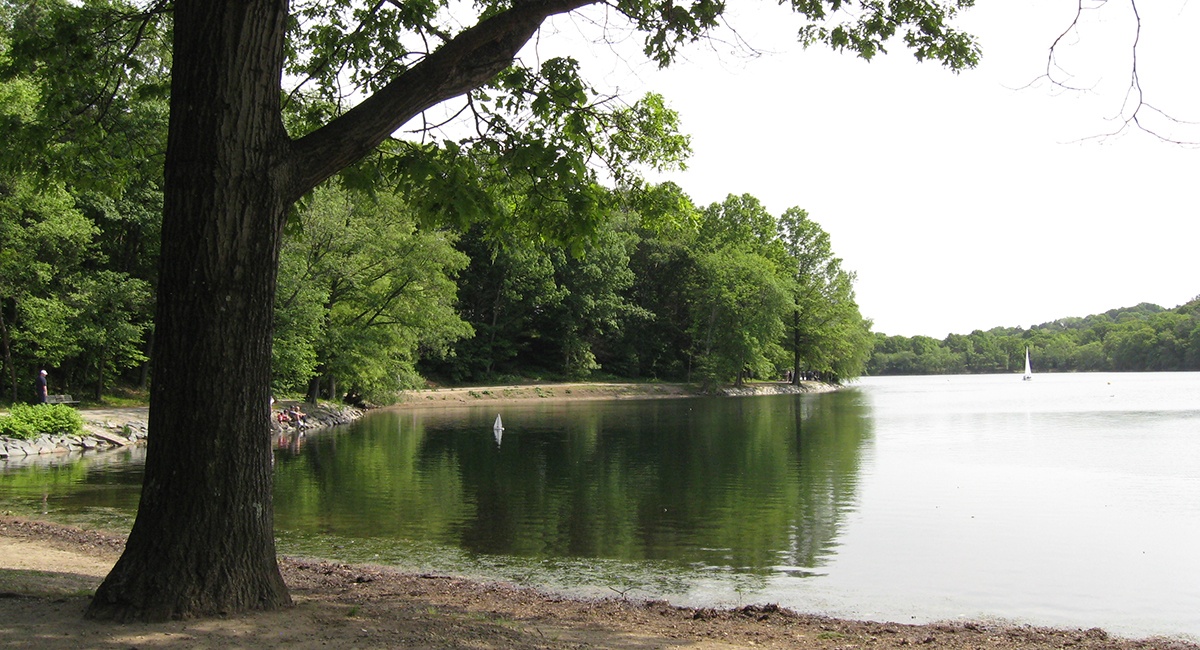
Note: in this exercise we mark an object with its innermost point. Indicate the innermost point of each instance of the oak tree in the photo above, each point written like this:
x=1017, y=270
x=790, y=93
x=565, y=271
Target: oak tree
x=203, y=542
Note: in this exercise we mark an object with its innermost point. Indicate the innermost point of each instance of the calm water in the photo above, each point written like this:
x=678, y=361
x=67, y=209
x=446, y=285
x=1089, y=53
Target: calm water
x=1071, y=500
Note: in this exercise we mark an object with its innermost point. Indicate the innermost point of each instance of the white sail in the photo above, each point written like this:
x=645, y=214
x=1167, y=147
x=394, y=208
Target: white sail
x=498, y=430
x=498, y=425
x=1028, y=369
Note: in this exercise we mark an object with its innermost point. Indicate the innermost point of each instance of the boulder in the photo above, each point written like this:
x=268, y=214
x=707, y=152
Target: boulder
x=113, y=439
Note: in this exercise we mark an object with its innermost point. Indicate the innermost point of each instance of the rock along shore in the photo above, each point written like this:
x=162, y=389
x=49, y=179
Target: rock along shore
x=108, y=429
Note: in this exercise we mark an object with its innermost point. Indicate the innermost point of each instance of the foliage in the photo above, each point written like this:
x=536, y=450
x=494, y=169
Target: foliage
x=704, y=299
x=109, y=326
x=43, y=241
x=737, y=320
x=362, y=292
x=660, y=345
x=499, y=294
x=828, y=335
x=30, y=421
x=82, y=97
x=1142, y=338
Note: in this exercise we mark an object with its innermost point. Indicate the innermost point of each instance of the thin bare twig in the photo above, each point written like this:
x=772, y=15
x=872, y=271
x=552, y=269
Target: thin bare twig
x=1134, y=110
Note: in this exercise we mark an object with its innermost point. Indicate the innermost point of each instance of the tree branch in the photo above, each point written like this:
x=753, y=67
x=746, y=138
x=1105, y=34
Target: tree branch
x=472, y=58
x=1133, y=107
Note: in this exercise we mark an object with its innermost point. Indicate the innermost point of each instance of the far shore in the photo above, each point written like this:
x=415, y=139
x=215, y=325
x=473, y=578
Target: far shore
x=583, y=391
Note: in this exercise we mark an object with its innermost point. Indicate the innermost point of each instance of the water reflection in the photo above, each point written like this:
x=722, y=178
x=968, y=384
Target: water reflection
x=697, y=496
x=754, y=485
x=94, y=488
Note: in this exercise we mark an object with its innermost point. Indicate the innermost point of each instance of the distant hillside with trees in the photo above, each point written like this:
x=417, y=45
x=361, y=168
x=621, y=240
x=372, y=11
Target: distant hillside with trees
x=1142, y=338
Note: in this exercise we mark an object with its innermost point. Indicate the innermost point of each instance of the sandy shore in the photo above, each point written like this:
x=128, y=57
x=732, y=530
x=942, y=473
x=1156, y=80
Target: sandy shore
x=461, y=395
x=458, y=396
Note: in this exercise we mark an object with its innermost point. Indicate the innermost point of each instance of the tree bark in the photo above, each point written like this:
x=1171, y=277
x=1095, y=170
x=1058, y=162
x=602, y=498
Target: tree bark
x=203, y=541
x=8, y=364
x=100, y=363
x=795, y=347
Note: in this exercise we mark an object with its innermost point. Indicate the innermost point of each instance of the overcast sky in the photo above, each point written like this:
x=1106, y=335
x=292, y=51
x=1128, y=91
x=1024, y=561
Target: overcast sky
x=962, y=202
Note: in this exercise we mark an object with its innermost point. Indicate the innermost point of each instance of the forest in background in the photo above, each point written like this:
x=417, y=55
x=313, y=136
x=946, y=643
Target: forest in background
x=1142, y=338
x=493, y=259
x=496, y=258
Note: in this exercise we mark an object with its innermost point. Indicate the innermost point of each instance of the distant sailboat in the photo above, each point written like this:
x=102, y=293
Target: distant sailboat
x=498, y=429
x=1028, y=372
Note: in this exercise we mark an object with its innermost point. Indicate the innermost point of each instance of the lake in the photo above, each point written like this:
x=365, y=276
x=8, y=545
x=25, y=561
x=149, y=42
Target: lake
x=1071, y=500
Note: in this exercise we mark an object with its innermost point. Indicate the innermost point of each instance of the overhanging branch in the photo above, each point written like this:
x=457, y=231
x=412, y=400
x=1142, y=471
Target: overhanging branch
x=469, y=60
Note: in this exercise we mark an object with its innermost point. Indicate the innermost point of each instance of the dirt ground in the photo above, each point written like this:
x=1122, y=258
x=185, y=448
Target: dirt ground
x=48, y=573
x=457, y=396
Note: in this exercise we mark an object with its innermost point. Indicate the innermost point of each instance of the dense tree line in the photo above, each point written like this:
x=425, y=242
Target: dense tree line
x=80, y=201
x=421, y=260
x=1142, y=338
x=724, y=293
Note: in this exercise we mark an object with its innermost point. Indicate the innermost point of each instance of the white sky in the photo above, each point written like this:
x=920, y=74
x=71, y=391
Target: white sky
x=961, y=202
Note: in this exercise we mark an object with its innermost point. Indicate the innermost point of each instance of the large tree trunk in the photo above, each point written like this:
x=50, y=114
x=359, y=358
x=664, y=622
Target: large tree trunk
x=100, y=363
x=796, y=347
x=203, y=541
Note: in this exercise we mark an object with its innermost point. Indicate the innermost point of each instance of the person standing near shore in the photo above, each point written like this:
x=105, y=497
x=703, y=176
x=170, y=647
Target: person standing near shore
x=40, y=390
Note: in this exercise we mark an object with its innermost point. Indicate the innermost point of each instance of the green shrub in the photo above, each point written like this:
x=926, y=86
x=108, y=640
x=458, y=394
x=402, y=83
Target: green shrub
x=28, y=421
x=11, y=427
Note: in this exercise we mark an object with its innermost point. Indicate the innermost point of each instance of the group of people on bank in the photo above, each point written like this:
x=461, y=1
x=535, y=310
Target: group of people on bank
x=292, y=415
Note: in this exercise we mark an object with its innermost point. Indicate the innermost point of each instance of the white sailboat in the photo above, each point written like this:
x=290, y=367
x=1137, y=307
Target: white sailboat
x=1028, y=370
x=498, y=429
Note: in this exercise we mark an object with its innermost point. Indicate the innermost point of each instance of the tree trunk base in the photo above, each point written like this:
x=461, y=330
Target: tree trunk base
x=129, y=595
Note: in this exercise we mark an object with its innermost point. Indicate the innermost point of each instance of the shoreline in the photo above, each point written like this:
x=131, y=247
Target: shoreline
x=49, y=571
x=114, y=428
x=588, y=391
